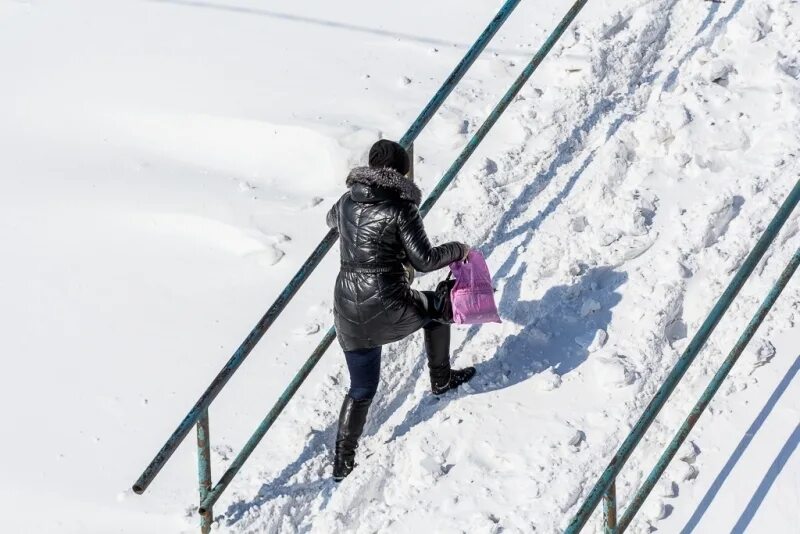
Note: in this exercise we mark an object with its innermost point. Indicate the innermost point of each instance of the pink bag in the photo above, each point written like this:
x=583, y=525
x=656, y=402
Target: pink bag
x=473, y=293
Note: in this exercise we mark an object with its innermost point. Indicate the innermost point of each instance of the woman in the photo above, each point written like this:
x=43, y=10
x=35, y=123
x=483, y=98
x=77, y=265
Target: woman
x=381, y=239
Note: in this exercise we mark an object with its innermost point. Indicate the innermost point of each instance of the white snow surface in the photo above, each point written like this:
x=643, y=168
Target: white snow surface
x=166, y=167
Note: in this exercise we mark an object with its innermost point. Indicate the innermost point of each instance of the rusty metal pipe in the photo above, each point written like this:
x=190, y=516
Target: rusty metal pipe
x=610, y=509
x=204, y=469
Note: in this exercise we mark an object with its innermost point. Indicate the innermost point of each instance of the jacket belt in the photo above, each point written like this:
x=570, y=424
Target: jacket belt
x=372, y=268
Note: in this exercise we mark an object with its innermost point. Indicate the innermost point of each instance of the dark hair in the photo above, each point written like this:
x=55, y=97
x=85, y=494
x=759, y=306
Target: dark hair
x=387, y=153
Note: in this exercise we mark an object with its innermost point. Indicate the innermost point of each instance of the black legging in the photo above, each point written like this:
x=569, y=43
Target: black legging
x=365, y=365
x=365, y=372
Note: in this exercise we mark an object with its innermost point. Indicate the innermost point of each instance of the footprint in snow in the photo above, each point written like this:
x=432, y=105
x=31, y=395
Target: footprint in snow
x=658, y=510
x=245, y=186
x=313, y=202
x=612, y=371
x=690, y=472
x=592, y=342
x=268, y=257
x=675, y=331
x=489, y=166
x=689, y=452
x=688, y=456
x=579, y=224
x=763, y=354
x=307, y=330
x=270, y=254
x=575, y=441
x=723, y=215
x=668, y=488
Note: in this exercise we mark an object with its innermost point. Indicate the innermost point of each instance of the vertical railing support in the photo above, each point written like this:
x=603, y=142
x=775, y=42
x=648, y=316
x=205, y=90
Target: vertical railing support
x=204, y=469
x=610, y=508
x=410, y=151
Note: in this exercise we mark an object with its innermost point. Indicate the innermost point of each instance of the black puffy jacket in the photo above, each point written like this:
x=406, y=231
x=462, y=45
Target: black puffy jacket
x=381, y=230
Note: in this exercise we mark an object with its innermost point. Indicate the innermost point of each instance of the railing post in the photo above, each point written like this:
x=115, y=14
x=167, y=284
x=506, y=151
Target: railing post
x=610, y=508
x=411, y=160
x=204, y=470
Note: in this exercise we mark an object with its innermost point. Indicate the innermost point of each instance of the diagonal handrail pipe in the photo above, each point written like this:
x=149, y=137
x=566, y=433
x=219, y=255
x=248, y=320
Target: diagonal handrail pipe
x=705, y=399
x=622, y=455
x=434, y=196
x=255, y=335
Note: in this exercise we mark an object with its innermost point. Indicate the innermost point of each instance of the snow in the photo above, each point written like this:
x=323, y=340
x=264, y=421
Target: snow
x=167, y=167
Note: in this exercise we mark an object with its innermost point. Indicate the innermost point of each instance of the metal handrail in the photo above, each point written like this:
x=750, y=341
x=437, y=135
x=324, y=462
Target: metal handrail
x=710, y=391
x=200, y=408
x=605, y=488
x=448, y=177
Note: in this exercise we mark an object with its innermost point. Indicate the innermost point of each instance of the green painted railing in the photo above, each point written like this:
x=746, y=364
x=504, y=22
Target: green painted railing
x=605, y=488
x=198, y=415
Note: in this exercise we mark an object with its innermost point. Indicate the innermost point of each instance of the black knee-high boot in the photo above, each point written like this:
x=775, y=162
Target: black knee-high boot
x=351, y=426
x=437, y=345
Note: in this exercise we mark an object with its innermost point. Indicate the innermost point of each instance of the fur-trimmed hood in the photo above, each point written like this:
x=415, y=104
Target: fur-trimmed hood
x=388, y=178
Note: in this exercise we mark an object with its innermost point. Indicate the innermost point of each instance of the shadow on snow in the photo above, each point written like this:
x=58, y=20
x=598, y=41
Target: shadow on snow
x=555, y=333
x=261, y=12
x=772, y=473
